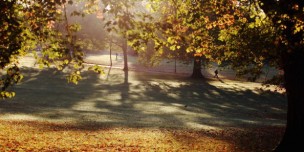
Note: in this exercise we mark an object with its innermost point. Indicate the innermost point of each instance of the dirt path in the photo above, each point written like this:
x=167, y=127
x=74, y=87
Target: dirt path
x=137, y=99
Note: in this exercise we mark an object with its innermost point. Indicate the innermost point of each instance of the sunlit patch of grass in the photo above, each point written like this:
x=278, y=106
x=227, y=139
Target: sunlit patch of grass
x=45, y=136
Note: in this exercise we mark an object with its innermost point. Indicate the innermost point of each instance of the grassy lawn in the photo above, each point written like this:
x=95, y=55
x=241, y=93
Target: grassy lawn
x=139, y=111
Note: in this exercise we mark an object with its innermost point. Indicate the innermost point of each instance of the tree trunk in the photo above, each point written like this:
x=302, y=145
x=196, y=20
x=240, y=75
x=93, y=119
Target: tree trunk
x=293, y=63
x=125, y=55
x=111, y=62
x=175, y=65
x=294, y=84
x=197, y=73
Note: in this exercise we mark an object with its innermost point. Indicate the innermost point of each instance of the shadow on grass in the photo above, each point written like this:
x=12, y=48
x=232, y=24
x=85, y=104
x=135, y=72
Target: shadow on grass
x=141, y=100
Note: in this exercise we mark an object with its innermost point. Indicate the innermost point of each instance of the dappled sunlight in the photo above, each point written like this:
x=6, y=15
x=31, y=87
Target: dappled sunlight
x=151, y=75
x=176, y=110
x=111, y=98
x=21, y=117
x=215, y=93
x=145, y=102
x=146, y=99
x=88, y=106
x=171, y=110
x=197, y=125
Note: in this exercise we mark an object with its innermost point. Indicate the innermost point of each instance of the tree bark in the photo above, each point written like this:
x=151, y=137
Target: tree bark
x=111, y=63
x=125, y=55
x=292, y=63
x=294, y=84
x=197, y=73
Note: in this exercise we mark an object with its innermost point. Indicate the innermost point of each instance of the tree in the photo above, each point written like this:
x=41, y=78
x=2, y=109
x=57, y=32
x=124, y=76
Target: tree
x=22, y=24
x=287, y=18
x=183, y=30
x=27, y=28
x=247, y=45
x=282, y=27
x=120, y=19
x=185, y=27
x=282, y=31
x=10, y=43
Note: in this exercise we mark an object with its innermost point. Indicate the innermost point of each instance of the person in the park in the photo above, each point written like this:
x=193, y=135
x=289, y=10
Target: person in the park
x=216, y=74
